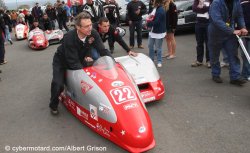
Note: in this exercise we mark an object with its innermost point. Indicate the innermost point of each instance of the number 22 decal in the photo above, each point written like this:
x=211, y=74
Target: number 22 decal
x=122, y=94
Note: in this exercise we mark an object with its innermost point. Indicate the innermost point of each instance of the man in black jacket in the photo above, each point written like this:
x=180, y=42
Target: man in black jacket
x=111, y=10
x=94, y=9
x=46, y=22
x=135, y=9
x=108, y=32
x=29, y=19
x=51, y=12
x=73, y=54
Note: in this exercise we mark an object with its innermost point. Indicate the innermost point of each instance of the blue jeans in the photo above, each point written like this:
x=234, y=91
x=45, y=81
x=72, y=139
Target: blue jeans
x=230, y=45
x=246, y=66
x=7, y=33
x=155, y=45
x=95, y=55
x=224, y=54
x=201, y=38
x=135, y=25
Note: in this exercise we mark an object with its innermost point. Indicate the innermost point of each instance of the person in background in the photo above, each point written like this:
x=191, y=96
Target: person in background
x=109, y=32
x=245, y=73
x=13, y=17
x=157, y=23
x=201, y=8
x=21, y=17
x=2, y=30
x=36, y=25
x=111, y=10
x=51, y=12
x=171, y=17
x=37, y=12
x=67, y=9
x=45, y=22
x=224, y=15
x=95, y=10
x=135, y=10
x=61, y=16
x=29, y=19
x=8, y=27
x=74, y=9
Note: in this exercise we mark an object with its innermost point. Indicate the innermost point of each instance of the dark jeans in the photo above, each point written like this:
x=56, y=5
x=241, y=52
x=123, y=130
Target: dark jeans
x=111, y=43
x=230, y=45
x=2, y=49
x=201, y=38
x=62, y=23
x=57, y=84
x=135, y=26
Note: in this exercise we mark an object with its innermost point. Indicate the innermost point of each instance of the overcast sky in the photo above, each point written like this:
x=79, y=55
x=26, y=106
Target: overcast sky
x=12, y=4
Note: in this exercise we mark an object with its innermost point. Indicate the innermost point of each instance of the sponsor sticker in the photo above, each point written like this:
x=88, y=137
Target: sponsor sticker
x=85, y=87
x=103, y=108
x=93, y=112
x=102, y=129
x=91, y=125
x=130, y=106
x=82, y=113
x=117, y=83
x=71, y=104
x=149, y=99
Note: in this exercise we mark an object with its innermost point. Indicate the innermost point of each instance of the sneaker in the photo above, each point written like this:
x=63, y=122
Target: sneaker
x=248, y=79
x=208, y=64
x=131, y=47
x=159, y=65
x=54, y=111
x=217, y=79
x=223, y=64
x=171, y=57
x=196, y=64
x=141, y=47
x=238, y=82
x=11, y=42
x=4, y=62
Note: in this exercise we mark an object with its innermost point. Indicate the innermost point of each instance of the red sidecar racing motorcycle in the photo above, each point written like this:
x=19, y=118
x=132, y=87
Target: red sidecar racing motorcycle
x=106, y=98
x=54, y=36
x=37, y=39
x=21, y=31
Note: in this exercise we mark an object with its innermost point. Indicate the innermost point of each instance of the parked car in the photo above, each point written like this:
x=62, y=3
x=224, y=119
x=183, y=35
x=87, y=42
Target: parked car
x=186, y=16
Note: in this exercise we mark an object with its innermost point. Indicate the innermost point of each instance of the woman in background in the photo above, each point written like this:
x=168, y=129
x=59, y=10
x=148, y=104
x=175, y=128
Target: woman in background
x=171, y=22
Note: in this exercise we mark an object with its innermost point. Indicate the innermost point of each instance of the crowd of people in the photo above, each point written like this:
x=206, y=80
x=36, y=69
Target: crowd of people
x=217, y=23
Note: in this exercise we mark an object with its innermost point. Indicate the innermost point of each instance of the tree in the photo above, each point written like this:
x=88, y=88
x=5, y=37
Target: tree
x=2, y=4
x=23, y=7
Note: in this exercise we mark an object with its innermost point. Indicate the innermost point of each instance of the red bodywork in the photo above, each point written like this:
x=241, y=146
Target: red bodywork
x=132, y=130
x=21, y=31
x=38, y=40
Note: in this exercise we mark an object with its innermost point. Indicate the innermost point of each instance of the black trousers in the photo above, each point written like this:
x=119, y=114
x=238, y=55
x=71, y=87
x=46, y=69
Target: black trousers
x=2, y=49
x=135, y=26
x=201, y=39
x=57, y=84
x=62, y=23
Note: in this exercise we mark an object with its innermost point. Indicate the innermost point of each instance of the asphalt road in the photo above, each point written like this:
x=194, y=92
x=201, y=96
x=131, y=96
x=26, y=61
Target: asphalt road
x=195, y=116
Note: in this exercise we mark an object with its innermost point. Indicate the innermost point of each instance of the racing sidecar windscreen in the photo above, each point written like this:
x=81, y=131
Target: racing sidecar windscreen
x=106, y=67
